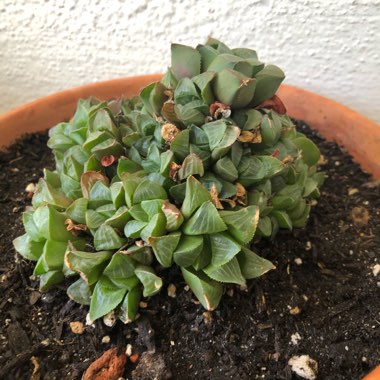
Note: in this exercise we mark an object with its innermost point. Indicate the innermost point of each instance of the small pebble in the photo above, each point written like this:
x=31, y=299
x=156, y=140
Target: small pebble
x=172, y=343
x=230, y=292
x=128, y=350
x=304, y=366
x=352, y=191
x=89, y=321
x=360, y=216
x=295, y=338
x=77, y=327
x=308, y=245
x=45, y=342
x=295, y=310
x=143, y=305
x=186, y=288
x=30, y=188
x=172, y=290
x=376, y=269
x=106, y=339
x=109, y=319
x=298, y=261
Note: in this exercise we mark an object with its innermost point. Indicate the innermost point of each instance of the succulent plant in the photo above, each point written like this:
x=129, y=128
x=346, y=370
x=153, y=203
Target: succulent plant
x=189, y=173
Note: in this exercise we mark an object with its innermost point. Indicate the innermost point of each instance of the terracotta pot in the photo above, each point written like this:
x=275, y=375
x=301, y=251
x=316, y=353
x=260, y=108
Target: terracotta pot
x=374, y=375
x=356, y=133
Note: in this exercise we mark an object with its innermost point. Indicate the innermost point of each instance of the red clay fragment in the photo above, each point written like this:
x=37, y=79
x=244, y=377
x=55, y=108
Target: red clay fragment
x=109, y=366
x=134, y=358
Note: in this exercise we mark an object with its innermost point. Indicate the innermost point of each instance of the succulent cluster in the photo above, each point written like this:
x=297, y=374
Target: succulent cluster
x=188, y=173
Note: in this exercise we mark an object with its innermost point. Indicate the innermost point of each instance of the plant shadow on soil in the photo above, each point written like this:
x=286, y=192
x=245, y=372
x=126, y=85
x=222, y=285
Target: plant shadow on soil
x=329, y=295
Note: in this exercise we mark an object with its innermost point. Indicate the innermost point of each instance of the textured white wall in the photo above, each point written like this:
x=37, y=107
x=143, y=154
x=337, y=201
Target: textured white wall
x=330, y=47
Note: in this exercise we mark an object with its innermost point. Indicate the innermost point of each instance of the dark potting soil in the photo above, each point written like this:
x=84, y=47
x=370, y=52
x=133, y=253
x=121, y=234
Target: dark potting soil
x=321, y=301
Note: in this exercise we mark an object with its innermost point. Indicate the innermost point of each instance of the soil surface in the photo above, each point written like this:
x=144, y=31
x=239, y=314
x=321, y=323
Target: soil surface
x=321, y=301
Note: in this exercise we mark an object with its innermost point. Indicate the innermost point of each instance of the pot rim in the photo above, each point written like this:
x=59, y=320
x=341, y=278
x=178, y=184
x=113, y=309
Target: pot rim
x=334, y=121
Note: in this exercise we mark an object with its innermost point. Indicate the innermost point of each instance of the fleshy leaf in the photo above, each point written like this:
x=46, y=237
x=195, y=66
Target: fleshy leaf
x=45, y=193
x=133, y=228
x=77, y=210
x=255, y=168
x=229, y=272
x=230, y=136
x=138, y=213
x=106, y=297
x=89, y=179
x=186, y=61
x=125, y=165
x=155, y=227
x=148, y=190
x=283, y=219
x=53, y=254
x=268, y=81
x=310, y=152
x=120, y=267
x=270, y=129
x=242, y=223
x=203, y=82
x=188, y=250
x=49, y=279
x=265, y=226
x=223, y=249
x=192, y=165
x=225, y=169
x=152, y=207
x=151, y=282
x=130, y=305
x=215, y=131
x=196, y=195
x=130, y=184
x=89, y=265
x=30, y=227
x=301, y=221
x=28, y=248
x=208, y=291
x=205, y=220
x=140, y=254
x=164, y=246
x=80, y=292
x=99, y=195
x=174, y=218
x=252, y=265
x=119, y=219
x=51, y=224
x=107, y=238
x=180, y=146
x=234, y=88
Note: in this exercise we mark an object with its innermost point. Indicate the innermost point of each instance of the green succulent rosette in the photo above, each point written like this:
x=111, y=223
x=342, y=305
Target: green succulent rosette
x=189, y=173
